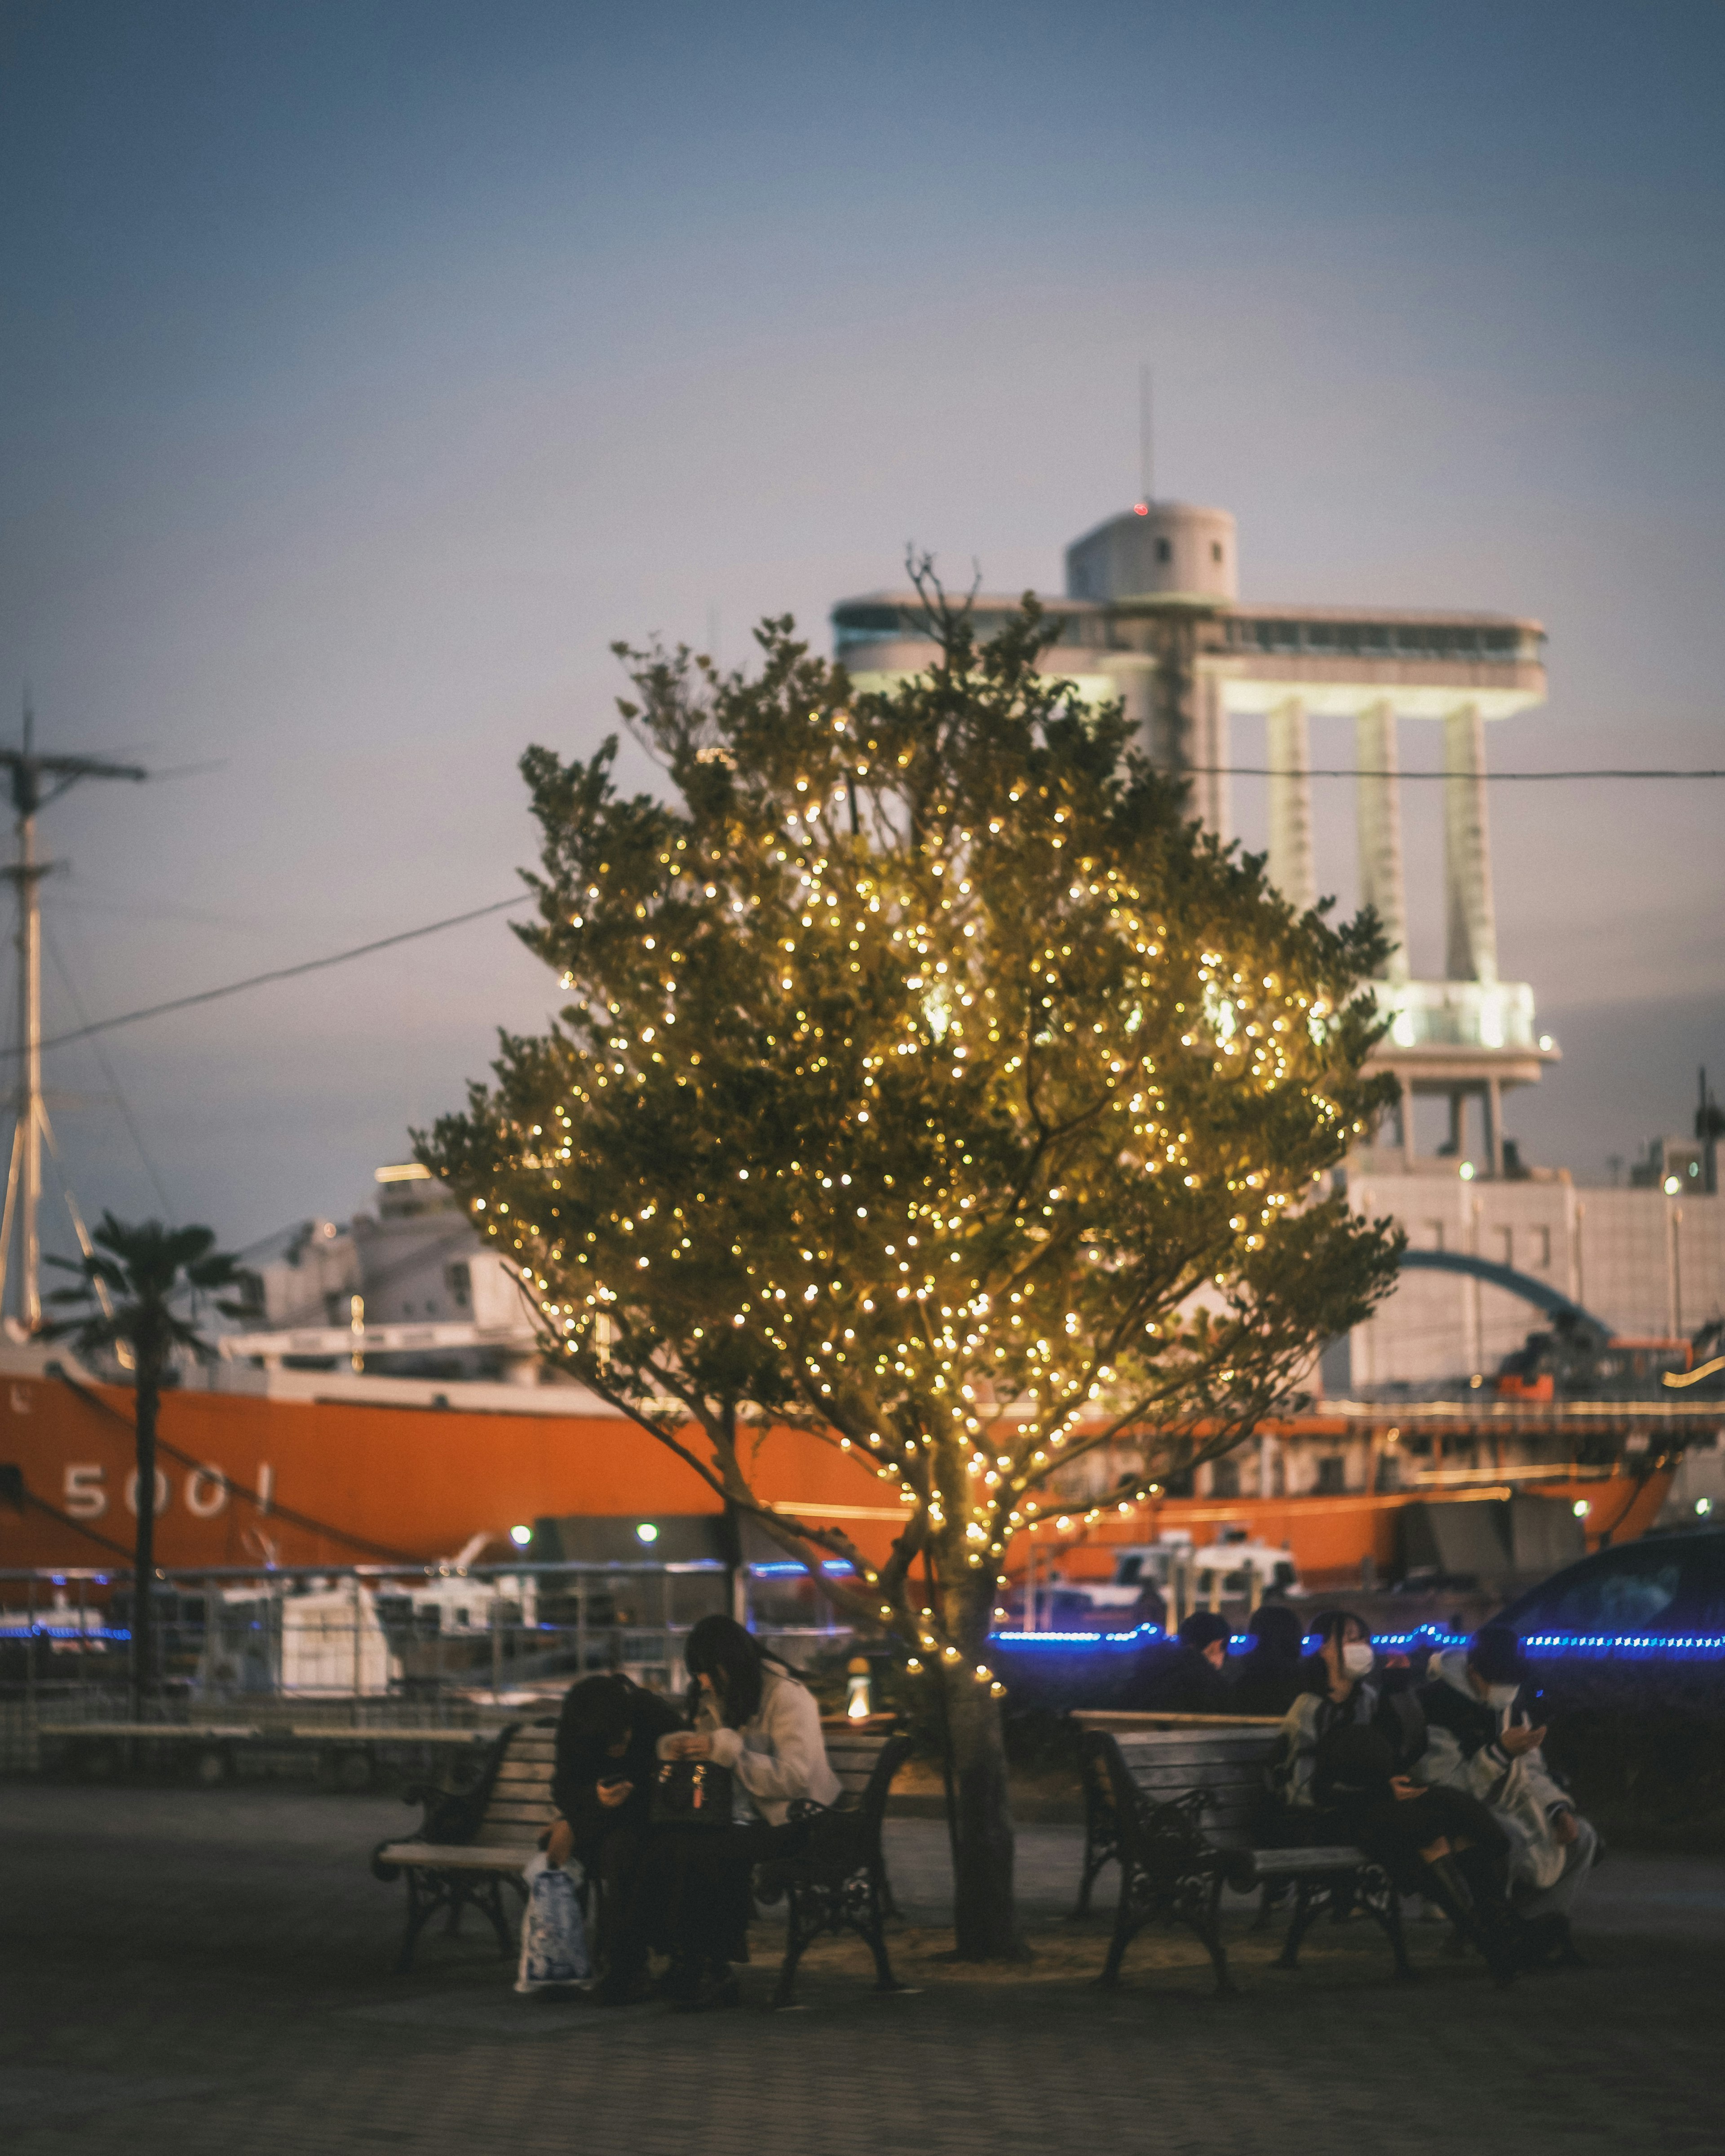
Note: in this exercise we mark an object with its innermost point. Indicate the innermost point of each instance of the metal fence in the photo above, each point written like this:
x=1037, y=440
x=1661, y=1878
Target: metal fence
x=366, y=1641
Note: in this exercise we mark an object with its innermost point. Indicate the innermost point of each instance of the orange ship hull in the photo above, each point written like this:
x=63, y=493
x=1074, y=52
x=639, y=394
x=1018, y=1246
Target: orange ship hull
x=249, y=1481
x=246, y=1479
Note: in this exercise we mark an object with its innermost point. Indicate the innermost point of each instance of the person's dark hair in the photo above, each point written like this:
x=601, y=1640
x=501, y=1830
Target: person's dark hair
x=1495, y=1653
x=1332, y=1624
x=719, y=1648
x=598, y=1710
x=1203, y=1628
x=1277, y=1633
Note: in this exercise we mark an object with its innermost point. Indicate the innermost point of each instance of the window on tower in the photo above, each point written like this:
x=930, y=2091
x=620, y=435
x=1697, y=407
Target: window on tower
x=1165, y=551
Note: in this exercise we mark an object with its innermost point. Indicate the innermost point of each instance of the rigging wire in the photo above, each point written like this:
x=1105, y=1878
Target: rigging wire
x=101, y=1057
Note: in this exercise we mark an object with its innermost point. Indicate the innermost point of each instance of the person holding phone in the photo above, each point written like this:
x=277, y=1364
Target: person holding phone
x=751, y=1715
x=1344, y=1771
x=1481, y=1741
x=606, y=1749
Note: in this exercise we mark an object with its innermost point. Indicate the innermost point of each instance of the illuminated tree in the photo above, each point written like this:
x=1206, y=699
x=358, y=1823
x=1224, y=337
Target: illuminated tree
x=927, y=1083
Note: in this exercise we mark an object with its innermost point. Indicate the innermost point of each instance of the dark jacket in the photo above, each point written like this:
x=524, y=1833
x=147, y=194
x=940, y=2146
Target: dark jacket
x=1474, y=1723
x=580, y=1764
x=1265, y=1684
x=1179, y=1681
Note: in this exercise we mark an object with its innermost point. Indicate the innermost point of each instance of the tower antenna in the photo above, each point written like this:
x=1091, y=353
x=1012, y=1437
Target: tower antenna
x=35, y=781
x=1146, y=436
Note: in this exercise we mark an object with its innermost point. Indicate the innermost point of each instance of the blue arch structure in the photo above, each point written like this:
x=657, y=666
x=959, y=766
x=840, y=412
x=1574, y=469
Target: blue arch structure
x=1538, y=1292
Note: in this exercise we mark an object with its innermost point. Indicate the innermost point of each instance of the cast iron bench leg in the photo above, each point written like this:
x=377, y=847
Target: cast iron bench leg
x=489, y=1898
x=1383, y=1903
x=1305, y=1911
x=1094, y=1860
x=1126, y=1927
x=793, y=1945
x=871, y=1927
x=1199, y=1908
x=422, y=1906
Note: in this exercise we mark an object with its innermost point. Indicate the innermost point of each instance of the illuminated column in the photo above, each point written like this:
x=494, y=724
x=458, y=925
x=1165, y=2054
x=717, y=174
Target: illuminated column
x=1209, y=752
x=1378, y=804
x=1472, y=942
x=1291, y=805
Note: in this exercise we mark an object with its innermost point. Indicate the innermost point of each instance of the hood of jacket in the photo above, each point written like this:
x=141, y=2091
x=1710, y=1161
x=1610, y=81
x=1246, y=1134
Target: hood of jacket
x=1450, y=1668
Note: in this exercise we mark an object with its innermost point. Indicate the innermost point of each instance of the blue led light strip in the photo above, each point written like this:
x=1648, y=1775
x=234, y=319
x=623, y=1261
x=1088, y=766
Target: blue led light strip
x=1538, y=1647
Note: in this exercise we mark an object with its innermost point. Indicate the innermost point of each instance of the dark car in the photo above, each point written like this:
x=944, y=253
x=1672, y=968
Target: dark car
x=1663, y=1584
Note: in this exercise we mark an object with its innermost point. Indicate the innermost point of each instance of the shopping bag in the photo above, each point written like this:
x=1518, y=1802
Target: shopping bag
x=554, y=1936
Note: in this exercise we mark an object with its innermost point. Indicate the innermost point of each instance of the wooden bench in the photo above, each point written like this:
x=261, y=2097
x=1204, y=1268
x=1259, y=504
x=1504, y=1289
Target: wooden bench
x=349, y=1758
x=474, y=1841
x=1178, y=1809
x=207, y=1748
x=211, y=1752
x=838, y=1882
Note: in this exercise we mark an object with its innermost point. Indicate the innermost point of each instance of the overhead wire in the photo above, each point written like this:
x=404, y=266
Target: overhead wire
x=277, y=974
x=1491, y=777
x=88, y=1030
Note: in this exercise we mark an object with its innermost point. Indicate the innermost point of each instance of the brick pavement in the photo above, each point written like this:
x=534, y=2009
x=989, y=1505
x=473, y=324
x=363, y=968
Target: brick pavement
x=203, y=1971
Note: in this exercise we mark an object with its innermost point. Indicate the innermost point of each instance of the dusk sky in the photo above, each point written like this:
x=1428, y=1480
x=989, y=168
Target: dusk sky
x=365, y=369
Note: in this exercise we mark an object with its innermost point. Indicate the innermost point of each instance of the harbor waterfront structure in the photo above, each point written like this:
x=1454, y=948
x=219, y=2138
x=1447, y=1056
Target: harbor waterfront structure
x=386, y=1398
x=1152, y=615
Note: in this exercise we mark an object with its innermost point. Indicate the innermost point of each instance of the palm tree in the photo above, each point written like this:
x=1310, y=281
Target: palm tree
x=126, y=1289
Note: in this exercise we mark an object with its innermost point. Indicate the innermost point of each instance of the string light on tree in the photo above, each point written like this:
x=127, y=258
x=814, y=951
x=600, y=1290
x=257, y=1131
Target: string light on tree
x=926, y=1084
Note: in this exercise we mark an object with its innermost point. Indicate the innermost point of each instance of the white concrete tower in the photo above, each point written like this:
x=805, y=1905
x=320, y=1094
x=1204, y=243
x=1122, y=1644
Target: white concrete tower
x=1167, y=567
x=1161, y=550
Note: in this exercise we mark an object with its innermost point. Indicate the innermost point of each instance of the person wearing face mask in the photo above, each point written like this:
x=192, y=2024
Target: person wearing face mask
x=1338, y=1690
x=1341, y=1771
x=1477, y=1741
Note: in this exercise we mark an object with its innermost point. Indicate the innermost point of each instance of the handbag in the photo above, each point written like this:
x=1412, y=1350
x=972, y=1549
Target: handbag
x=691, y=1793
x=553, y=1935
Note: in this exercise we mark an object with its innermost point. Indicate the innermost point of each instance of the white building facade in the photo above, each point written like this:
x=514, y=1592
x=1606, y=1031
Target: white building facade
x=1152, y=615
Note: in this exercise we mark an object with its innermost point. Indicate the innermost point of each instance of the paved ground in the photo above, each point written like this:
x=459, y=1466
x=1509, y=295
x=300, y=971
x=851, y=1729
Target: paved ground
x=210, y=1971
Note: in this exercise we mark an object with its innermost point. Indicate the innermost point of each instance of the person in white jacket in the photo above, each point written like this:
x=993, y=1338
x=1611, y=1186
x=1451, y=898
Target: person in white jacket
x=1477, y=1741
x=751, y=1715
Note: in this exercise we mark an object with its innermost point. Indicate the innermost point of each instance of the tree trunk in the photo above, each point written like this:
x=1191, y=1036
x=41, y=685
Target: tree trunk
x=143, y=1573
x=984, y=1914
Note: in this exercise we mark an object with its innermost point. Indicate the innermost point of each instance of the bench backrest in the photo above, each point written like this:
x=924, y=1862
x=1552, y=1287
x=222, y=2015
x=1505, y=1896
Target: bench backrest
x=518, y=1808
x=854, y=1755
x=1166, y=1763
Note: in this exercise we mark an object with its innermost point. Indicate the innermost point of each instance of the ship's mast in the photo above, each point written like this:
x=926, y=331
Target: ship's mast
x=35, y=781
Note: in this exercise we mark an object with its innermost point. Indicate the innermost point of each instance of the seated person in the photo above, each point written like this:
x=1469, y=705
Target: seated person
x=752, y=1714
x=1479, y=1741
x=1187, y=1678
x=1342, y=1772
x=1268, y=1678
x=1337, y=1687
x=606, y=1739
